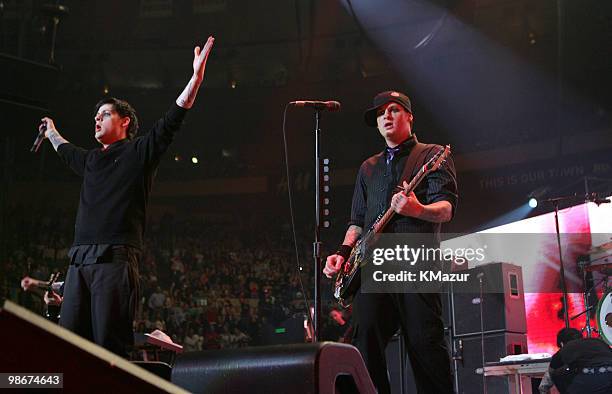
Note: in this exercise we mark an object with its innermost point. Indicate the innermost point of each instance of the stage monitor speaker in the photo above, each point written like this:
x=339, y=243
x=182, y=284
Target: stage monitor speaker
x=323, y=367
x=503, y=301
x=33, y=345
x=158, y=368
x=496, y=346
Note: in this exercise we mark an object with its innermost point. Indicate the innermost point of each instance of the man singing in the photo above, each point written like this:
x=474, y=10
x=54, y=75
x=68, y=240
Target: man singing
x=377, y=316
x=101, y=287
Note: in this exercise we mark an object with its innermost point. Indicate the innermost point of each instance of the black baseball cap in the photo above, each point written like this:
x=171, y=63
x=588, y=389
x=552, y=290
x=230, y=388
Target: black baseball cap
x=383, y=98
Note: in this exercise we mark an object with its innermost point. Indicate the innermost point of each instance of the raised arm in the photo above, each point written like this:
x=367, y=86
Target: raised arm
x=200, y=56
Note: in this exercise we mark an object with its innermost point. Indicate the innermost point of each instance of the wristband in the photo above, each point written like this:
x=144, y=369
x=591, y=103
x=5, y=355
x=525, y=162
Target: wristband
x=344, y=251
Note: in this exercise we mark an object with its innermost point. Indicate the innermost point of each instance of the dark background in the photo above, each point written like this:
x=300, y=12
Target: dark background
x=519, y=89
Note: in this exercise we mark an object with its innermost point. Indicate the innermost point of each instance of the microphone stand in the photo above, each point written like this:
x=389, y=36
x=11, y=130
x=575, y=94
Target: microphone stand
x=482, y=343
x=589, y=197
x=555, y=202
x=317, y=242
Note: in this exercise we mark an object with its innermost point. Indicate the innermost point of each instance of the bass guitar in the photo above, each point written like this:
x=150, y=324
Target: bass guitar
x=348, y=279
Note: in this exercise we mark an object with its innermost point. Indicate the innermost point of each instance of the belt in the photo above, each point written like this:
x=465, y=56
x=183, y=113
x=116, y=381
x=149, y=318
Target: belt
x=594, y=370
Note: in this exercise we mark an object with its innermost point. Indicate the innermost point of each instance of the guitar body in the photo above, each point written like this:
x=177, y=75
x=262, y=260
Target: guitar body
x=348, y=279
x=53, y=311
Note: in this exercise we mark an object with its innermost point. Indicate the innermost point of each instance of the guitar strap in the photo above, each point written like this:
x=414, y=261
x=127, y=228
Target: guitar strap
x=413, y=161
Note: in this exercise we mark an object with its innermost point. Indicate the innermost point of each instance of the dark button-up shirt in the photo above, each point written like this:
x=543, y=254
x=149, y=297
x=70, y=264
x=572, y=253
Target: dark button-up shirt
x=377, y=180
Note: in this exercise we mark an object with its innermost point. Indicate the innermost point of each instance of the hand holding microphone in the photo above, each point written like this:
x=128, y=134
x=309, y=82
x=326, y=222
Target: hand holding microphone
x=42, y=128
x=45, y=124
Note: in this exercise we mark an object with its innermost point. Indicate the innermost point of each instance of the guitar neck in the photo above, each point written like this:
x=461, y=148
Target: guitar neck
x=389, y=213
x=48, y=284
x=43, y=285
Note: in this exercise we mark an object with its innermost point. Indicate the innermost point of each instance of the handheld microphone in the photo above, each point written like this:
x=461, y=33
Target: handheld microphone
x=39, y=138
x=331, y=106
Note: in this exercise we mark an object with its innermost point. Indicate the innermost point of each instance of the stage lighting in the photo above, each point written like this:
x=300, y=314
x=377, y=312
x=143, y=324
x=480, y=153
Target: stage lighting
x=194, y=160
x=533, y=202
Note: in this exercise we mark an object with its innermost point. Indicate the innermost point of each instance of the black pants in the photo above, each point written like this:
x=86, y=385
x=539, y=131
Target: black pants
x=100, y=300
x=378, y=316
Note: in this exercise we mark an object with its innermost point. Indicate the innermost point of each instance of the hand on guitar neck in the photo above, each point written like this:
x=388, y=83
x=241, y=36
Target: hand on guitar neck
x=37, y=286
x=406, y=204
x=52, y=298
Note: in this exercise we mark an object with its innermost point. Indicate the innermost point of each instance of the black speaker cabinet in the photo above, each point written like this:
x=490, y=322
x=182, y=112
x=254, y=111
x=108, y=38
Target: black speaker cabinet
x=324, y=367
x=496, y=346
x=503, y=300
x=400, y=372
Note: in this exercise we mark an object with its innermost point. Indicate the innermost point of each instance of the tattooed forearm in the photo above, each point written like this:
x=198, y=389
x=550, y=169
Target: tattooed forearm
x=55, y=138
x=352, y=234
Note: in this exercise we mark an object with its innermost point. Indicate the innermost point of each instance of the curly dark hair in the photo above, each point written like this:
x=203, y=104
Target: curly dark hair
x=124, y=109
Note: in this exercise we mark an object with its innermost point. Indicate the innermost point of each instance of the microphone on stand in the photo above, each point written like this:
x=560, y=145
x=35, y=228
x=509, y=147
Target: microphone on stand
x=593, y=197
x=331, y=106
x=39, y=138
x=588, y=197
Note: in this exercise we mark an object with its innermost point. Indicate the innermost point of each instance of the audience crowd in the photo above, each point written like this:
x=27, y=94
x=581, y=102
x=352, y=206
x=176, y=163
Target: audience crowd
x=208, y=283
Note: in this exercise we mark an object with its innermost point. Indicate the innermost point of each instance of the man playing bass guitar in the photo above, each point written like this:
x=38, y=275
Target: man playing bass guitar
x=377, y=316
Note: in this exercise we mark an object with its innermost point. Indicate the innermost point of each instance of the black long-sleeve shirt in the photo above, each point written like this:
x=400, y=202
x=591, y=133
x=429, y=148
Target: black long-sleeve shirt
x=117, y=182
x=376, y=182
x=581, y=353
x=568, y=363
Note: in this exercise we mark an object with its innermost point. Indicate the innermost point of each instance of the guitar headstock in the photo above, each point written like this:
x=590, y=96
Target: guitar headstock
x=437, y=160
x=52, y=279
